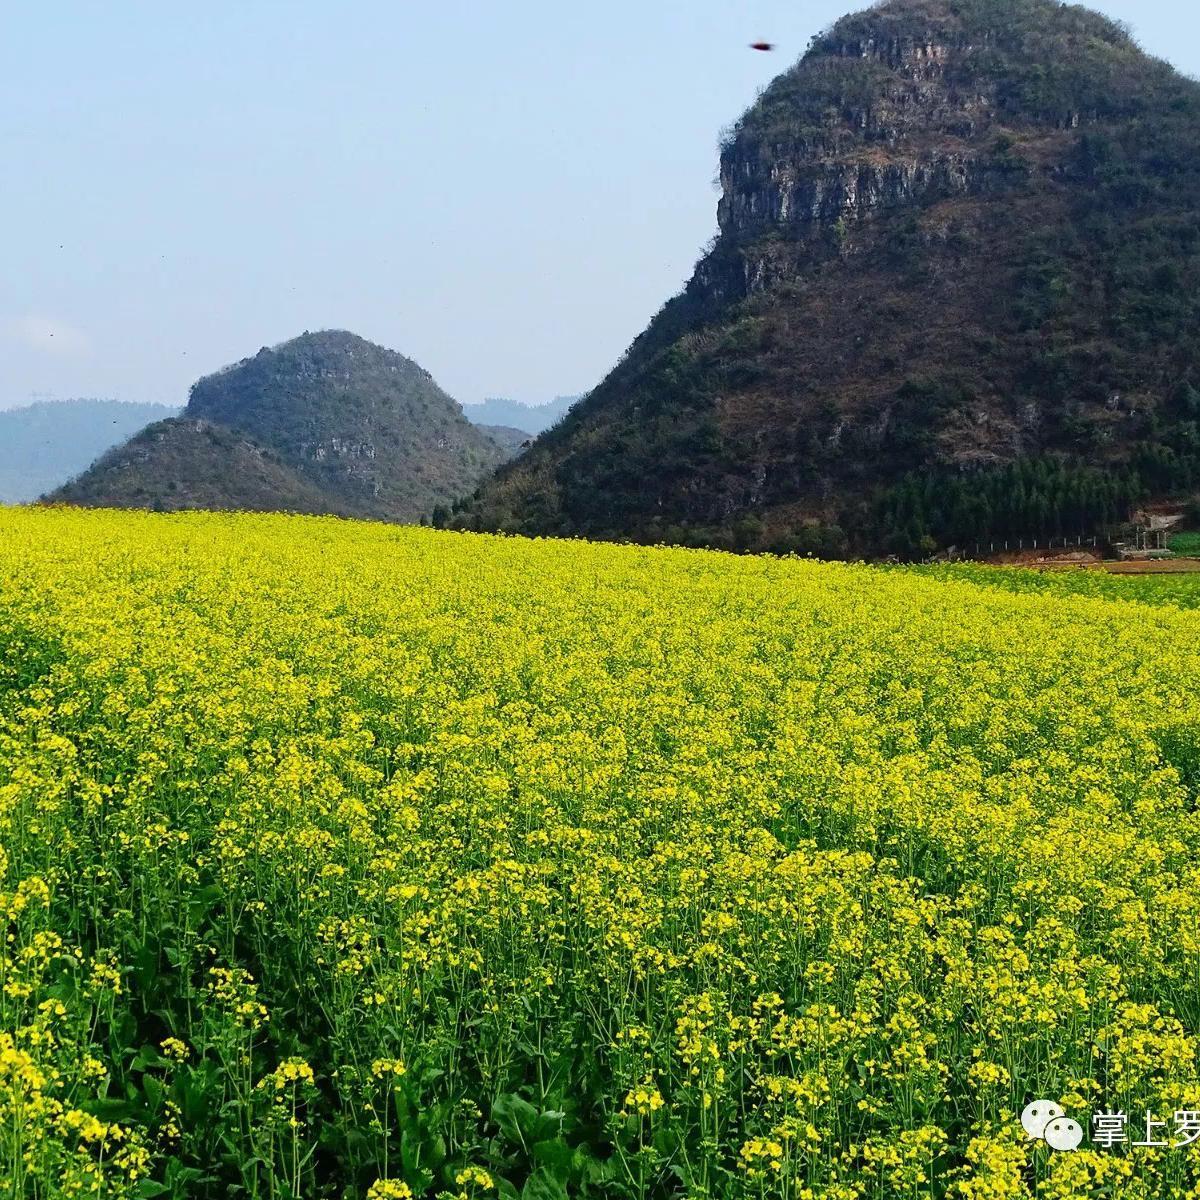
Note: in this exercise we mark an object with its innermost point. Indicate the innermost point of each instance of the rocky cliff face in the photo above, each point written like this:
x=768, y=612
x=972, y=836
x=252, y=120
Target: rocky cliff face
x=868, y=125
x=925, y=264
x=773, y=181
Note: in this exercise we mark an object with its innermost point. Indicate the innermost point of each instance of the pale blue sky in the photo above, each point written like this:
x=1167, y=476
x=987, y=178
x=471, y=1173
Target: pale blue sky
x=505, y=192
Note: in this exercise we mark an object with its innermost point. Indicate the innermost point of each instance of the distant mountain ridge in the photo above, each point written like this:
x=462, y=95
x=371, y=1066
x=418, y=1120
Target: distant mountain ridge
x=325, y=422
x=45, y=443
x=511, y=440
x=531, y=418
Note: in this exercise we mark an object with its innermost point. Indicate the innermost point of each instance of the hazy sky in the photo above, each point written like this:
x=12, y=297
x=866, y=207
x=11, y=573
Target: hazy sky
x=505, y=192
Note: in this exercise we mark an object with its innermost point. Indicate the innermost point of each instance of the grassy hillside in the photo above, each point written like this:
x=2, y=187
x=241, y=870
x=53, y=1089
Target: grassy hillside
x=182, y=463
x=353, y=861
x=364, y=424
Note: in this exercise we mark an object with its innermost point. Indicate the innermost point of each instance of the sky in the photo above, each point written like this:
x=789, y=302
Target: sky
x=505, y=192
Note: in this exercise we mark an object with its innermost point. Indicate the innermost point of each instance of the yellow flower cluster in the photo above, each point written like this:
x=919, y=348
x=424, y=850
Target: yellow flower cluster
x=474, y=1176
x=462, y=862
x=292, y=1072
x=389, y=1189
x=645, y=1099
x=382, y=1067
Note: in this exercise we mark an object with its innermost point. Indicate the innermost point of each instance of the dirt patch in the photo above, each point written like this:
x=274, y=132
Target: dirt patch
x=1050, y=560
x=1155, y=566
x=1084, y=560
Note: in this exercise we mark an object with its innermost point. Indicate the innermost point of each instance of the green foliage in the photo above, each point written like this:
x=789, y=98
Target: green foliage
x=1185, y=543
x=181, y=463
x=1179, y=590
x=814, y=540
x=1034, y=498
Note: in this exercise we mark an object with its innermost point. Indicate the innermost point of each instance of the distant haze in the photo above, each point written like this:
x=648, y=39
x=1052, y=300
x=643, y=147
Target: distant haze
x=504, y=192
x=532, y=418
x=45, y=444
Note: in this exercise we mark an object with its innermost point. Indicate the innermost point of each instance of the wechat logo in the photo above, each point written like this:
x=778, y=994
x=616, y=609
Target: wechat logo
x=1045, y=1121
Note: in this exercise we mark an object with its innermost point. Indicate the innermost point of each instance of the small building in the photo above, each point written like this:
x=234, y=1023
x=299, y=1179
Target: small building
x=1149, y=541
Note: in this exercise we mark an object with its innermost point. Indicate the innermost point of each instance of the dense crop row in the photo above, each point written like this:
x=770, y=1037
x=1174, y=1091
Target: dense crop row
x=1180, y=589
x=360, y=861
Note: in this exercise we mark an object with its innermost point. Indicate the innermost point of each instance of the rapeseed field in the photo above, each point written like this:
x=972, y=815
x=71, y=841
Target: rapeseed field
x=370, y=862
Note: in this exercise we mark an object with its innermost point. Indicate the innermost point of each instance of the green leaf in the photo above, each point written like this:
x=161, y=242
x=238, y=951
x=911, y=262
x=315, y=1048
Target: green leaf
x=180, y=1176
x=153, y=1088
x=542, y=1185
x=435, y=1149
x=410, y=1150
x=597, y=1170
x=555, y=1155
x=517, y=1119
x=109, y=1110
x=148, y=1056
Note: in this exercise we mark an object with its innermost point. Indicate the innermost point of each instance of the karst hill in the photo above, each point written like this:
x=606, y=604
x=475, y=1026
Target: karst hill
x=326, y=422
x=954, y=293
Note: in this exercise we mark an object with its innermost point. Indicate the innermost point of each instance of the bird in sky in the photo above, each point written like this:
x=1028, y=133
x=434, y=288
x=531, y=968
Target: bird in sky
x=762, y=45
